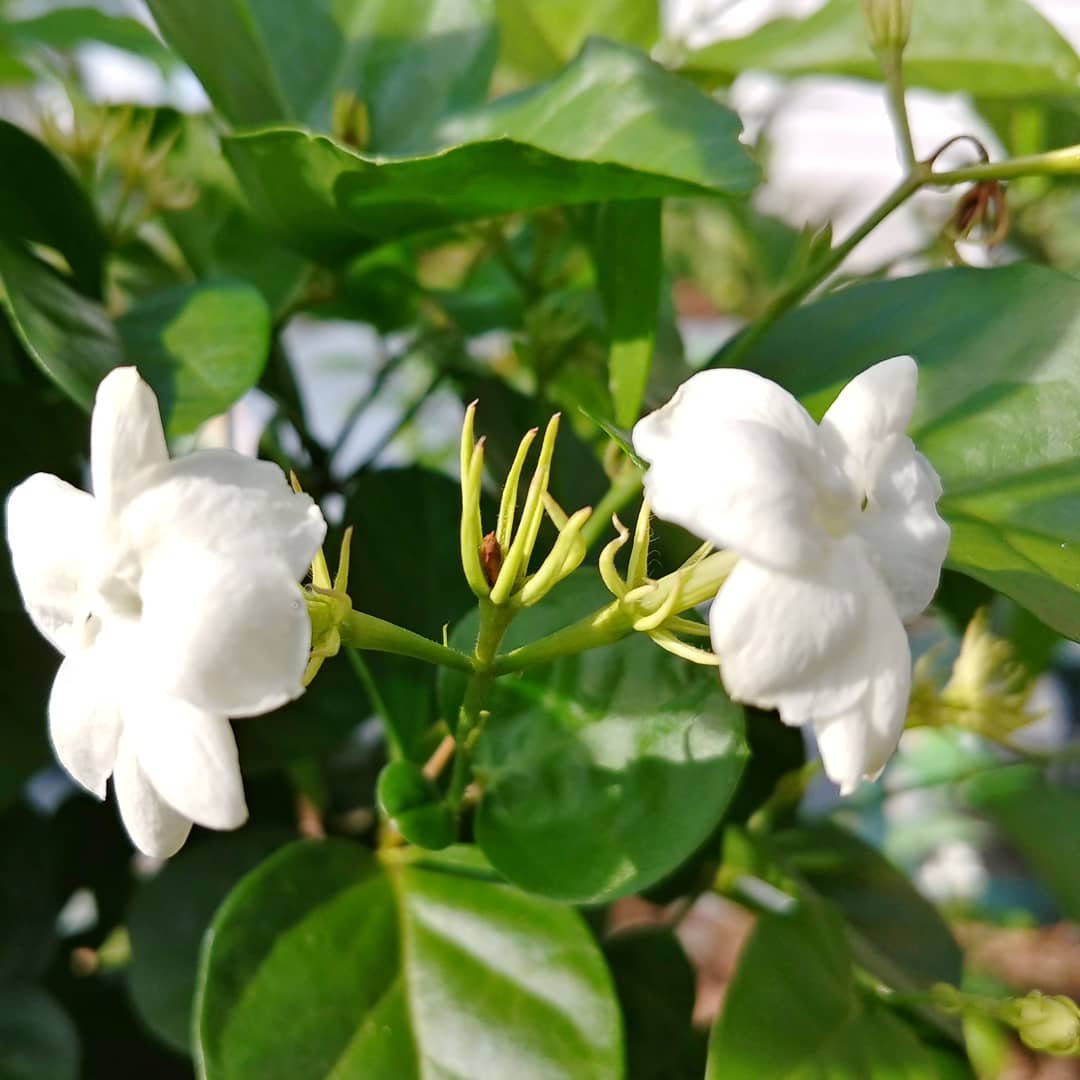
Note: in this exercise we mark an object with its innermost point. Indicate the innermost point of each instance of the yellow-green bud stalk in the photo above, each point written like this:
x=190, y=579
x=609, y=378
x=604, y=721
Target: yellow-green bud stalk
x=888, y=23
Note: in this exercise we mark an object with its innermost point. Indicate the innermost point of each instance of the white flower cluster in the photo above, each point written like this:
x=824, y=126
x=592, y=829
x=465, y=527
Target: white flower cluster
x=839, y=541
x=172, y=594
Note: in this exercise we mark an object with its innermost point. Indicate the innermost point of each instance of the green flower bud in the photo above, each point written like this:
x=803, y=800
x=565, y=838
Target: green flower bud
x=1047, y=1023
x=888, y=23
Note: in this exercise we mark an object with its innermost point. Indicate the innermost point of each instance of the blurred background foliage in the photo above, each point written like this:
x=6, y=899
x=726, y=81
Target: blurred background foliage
x=319, y=230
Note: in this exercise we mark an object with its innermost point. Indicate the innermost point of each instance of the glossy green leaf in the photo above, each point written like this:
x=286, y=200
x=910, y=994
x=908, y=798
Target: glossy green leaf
x=409, y=61
x=999, y=393
x=603, y=771
x=657, y=987
x=40, y=201
x=67, y=335
x=200, y=346
x=65, y=28
x=536, y=37
x=38, y=1041
x=996, y=48
x=893, y=931
x=324, y=963
x=169, y=915
x=1041, y=820
x=629, y=262
x=794, y=1010
x=612, y=125
x=414, y=804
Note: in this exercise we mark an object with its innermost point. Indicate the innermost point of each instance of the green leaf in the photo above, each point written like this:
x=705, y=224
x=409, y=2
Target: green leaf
x=629, y=261
x=996, y=48
x=999, y=393
x=66, y=334
x=414, y=804
x=603, y=771
x=1041, y=820
x=794, y=1010
x=536, y=37
x=201, y=347
x=65, y=28
x=41, y=201
x=657, y=987
x=660, y=136
x=323, y=962
x=38, y=1041
x=170, y=914
x=893, y=931
x=409, y=61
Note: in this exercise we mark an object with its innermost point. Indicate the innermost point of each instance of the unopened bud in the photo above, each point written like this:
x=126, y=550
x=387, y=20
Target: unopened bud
x=888, y=23
x=1049, y=1024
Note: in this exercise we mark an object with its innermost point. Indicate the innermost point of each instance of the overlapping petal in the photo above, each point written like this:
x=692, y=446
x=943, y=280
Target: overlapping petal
x=155, y=828
x=828, y=648
x=228, y=637
x=190, y=758
x=126, y=437
x=735, y=459
x=229, y=504
x=51, y=531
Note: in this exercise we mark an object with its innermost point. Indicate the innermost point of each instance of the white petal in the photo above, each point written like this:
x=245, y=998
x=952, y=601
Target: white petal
x=190, y=758
x=830, y=650
x=84, y=720
x=231, y=504
x=905, y=537
x=155, y=828
x=230, y=636
x=126, y=437
x=874, y=405
x=735, y=459
x=52, y=530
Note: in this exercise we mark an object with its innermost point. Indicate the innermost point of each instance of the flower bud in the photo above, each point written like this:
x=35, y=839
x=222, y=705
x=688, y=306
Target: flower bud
x=888, y=23
x=1049, y=1024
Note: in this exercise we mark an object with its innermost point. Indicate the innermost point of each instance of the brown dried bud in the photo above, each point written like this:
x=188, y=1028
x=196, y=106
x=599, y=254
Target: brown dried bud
x=491, y=557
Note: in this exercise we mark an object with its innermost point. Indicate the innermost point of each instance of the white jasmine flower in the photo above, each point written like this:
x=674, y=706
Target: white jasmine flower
x=172, y=595
x=839, y=539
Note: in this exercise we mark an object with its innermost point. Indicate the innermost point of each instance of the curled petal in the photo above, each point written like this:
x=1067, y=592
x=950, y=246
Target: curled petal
x=190, y=758
x=736, y=460
x=905, y=537
x=872, y=407
x=230, y=636
x=126, y=437
x=829, y=649
x=84, y=719
x=52, y=529
x=155, y=828
x=229, y=504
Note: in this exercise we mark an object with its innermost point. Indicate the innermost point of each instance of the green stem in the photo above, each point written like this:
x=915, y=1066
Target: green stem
x=891, y=62
x=377, y=701
x=1063, y=162
x=363, y=631
x=494, y=621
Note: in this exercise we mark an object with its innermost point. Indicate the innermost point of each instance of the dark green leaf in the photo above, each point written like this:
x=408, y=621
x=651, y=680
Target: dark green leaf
x=997, y=48
x=414, y=804
x=409, y=61
x=794, y=1010
x=602, y=772
x=999, y=393
x=201, y=347
x=1041, y=820
x=323, y=962
x=38, y=1041
x=40, y=201
x=629, y=263
x=168, y=917
x=893, y=931
x=656, y=987
x=660, y=136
